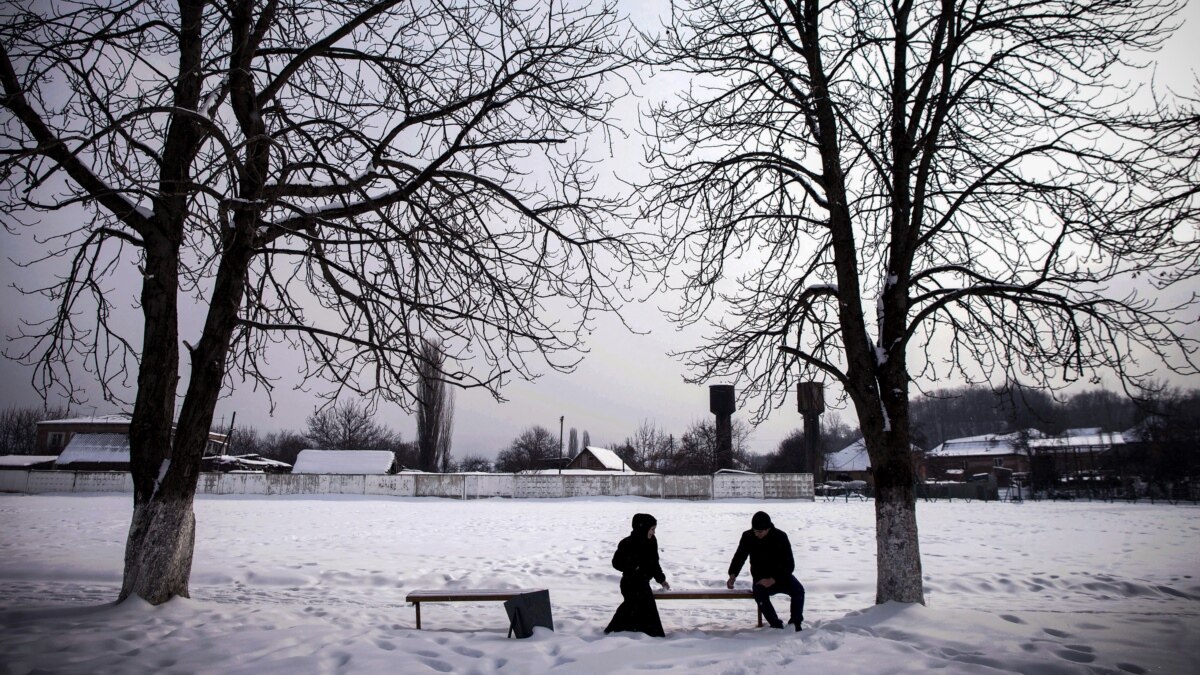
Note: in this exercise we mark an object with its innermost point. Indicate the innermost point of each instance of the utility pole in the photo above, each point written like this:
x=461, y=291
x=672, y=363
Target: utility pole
x=560, y=445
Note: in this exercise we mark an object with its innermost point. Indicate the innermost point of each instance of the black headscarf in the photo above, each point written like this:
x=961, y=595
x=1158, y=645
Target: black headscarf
x=642, y=522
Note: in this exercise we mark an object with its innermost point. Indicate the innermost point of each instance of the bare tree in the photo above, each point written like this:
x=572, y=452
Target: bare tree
x=652, y=448
x=697, y=451
x=348, y=425
x=533, y=449
x=872, y=192
x=18, y=428
x=284, y=446
x=339, y=177
x=475, y=463
x=435, y=408
x=573, y=443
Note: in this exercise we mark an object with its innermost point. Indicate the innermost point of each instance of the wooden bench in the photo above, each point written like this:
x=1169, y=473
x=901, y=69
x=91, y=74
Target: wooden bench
x=466, y=595
x=710, y=594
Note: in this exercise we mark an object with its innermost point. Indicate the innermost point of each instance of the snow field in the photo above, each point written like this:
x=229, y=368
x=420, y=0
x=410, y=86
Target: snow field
x=317, y=584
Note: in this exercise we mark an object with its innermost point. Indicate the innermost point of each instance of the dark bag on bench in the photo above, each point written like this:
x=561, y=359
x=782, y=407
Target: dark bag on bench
x=528, y=610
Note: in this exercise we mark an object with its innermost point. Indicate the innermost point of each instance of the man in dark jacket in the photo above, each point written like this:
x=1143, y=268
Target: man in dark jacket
x=771, y=567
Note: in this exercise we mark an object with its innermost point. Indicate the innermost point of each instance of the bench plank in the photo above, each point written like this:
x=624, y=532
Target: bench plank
x=709, y=594
x=466, y=595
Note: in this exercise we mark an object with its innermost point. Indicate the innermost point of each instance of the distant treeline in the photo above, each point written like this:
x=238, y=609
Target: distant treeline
x=940, y=415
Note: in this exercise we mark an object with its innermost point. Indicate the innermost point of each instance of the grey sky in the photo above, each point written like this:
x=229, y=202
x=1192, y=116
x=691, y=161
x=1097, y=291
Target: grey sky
x=627, y=378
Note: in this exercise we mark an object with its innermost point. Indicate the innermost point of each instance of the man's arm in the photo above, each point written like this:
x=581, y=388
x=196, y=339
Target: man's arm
x=739, y=559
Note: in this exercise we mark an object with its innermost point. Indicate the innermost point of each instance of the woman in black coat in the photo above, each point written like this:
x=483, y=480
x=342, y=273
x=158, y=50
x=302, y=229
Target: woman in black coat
x=637, y=558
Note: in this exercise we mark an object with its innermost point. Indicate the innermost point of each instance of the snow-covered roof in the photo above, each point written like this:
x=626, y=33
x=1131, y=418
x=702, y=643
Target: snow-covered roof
x=246, y=460
x=853, y=457
x=608, y=458
x=25, y=460
x=118, y=418
x=344, y=461
x=108, y=448
x=987, y=444
x=996, y=445
x=1097, y=441
x=582, y=472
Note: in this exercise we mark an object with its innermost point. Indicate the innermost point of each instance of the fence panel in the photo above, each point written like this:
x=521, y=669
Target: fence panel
x=737, y=486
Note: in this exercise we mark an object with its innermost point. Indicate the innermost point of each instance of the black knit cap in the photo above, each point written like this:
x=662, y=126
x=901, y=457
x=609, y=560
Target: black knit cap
x=642, y=522
x=761, y=521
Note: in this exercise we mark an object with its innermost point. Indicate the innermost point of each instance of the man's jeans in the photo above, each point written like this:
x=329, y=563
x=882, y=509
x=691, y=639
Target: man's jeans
x=792, y=587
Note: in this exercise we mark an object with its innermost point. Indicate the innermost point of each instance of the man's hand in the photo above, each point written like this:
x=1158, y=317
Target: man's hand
x=729, y=584
x=666, y=586
x=766, y=582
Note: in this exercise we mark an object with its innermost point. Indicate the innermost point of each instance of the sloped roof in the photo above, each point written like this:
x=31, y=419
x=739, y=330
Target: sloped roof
x=608, y=459
x=1082, y=442
x=344, y=461
x=246, y=460
x=18, y=461
x=118, y=418
x=853, y=457
x=996, y=445
x=106, y=448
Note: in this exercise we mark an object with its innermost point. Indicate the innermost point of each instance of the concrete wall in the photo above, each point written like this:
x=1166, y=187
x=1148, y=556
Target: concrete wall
x=454, y=486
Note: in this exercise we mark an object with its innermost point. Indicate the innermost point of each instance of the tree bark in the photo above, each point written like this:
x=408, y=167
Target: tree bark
x=898, y=550
x=158, y=554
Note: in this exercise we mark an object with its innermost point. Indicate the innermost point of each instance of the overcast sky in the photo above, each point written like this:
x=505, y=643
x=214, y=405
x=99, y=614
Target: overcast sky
x=626, y=378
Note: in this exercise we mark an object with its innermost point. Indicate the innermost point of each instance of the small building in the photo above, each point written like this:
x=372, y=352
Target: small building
x=1075, y=452
x=959, y=458
x=345, y=462
x=853, y=463
x=849, y=464
x=600, y=459
x=97, y=443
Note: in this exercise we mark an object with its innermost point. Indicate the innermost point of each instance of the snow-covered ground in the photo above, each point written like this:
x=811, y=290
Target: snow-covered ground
x=317, y=584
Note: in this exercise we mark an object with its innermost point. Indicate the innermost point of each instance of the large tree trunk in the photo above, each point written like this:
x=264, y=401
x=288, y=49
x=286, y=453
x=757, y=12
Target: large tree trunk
x=152, y=545
x=897, y=548
x=158, y=553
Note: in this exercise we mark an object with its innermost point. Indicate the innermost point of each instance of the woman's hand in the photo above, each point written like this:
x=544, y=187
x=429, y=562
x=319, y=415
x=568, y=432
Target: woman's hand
x=666, y=586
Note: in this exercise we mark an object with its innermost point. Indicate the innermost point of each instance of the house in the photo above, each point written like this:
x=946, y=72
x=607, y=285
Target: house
x=958, y=458
x=345, y=461
x=850, y=463
x=599, y=459
x=1075, y=452
x=853, y=463
x=96, y=443
x=53, y=435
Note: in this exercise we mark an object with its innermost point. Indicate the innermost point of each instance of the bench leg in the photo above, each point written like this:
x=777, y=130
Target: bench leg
x=418, y=606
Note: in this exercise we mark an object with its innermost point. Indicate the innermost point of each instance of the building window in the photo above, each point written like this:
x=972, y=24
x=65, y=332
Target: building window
x=56, y=440
x=999, y=461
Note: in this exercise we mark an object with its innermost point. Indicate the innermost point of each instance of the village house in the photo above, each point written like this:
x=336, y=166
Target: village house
x=1075, y=455
x=853, y=463
x=599, y=459
x=96, y=443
